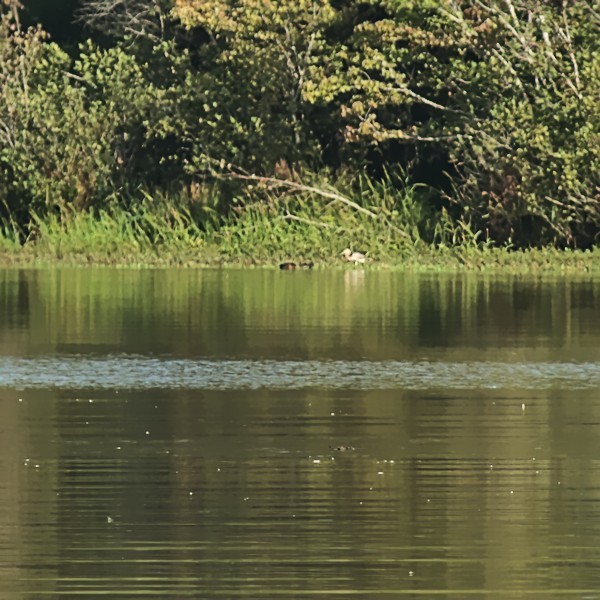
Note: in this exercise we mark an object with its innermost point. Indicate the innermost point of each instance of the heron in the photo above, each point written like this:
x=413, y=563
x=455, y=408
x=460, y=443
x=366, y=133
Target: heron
x=354, y=257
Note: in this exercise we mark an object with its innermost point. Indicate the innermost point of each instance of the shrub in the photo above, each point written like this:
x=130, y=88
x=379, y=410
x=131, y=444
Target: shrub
x=72, y=132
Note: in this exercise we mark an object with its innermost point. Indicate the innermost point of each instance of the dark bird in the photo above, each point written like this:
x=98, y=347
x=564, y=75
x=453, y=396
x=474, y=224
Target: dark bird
x=291, y=266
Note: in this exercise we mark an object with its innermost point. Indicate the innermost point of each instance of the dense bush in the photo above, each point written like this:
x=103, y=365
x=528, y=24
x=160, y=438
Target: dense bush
x=492, y=104
x=525, y=85
x=73, y=131
x=506, y=92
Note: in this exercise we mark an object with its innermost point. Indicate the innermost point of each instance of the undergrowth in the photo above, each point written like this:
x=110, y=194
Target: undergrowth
x=272, y=221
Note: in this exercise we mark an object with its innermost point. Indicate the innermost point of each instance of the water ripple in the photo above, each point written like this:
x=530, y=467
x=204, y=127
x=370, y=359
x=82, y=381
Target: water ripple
x=140, y=372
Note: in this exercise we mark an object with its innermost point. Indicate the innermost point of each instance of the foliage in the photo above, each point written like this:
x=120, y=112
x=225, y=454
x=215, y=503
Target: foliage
x=256, y=63
x=489, y=108
x=525, y=88
x=72, y=132
x=507, y=93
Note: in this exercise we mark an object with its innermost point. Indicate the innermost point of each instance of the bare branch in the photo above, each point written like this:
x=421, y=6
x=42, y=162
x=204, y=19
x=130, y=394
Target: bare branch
x=567, y=36
x=420, y=98
x=332, y=195
x=74, y=77
x=594, y=14
x=6, y=134
x=273, y=181
x=502, y=18
x=289, y=217
x=118, y=18
x=509, y=66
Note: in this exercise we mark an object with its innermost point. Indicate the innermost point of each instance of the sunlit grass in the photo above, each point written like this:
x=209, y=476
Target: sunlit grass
x=394, y=224
x=151, y=231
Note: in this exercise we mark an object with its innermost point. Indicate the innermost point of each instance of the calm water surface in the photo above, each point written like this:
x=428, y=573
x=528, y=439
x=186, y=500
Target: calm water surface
x=266, y=434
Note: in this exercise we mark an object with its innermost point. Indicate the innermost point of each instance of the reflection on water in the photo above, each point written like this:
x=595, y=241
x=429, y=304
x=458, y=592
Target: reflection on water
x=266, y=435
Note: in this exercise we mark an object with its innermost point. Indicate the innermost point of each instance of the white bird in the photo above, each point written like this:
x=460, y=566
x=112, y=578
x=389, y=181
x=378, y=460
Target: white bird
x=354, y=257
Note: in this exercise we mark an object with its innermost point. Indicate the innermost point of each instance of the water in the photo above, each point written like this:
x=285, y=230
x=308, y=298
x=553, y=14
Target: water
x=258, y=434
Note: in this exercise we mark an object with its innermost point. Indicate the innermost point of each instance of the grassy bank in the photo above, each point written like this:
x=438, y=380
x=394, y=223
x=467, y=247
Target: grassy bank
x=262, y=234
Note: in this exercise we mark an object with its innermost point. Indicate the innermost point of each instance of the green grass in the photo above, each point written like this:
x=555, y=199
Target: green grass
x=148, y=232
x=398, y=230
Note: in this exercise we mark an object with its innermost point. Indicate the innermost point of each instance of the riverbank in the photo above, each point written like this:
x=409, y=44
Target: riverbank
x=207, y=255
x=260, y=236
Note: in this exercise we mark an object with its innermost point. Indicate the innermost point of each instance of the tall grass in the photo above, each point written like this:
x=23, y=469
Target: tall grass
x=10, y=234
x=151, y=230
x=268, y=221
x=320, y=219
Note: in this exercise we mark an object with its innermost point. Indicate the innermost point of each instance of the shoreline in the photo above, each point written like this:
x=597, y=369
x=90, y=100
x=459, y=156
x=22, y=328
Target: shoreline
x=549, y=261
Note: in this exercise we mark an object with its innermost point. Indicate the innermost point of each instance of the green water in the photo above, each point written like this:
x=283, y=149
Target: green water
x=266, y=434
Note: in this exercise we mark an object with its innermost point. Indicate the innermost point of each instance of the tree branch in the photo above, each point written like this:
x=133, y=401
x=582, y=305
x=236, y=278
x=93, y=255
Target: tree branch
x=290, y=217
x=335, y=196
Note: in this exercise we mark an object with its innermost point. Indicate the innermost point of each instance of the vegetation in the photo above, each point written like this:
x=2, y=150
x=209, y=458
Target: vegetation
x=221, y=130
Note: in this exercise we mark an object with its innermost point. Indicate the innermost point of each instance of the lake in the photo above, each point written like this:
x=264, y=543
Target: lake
x=265, y=434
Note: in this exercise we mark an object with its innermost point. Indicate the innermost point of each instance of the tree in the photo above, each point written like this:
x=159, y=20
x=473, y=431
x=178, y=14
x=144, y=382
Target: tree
x=507, y=90
x=73, y=132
